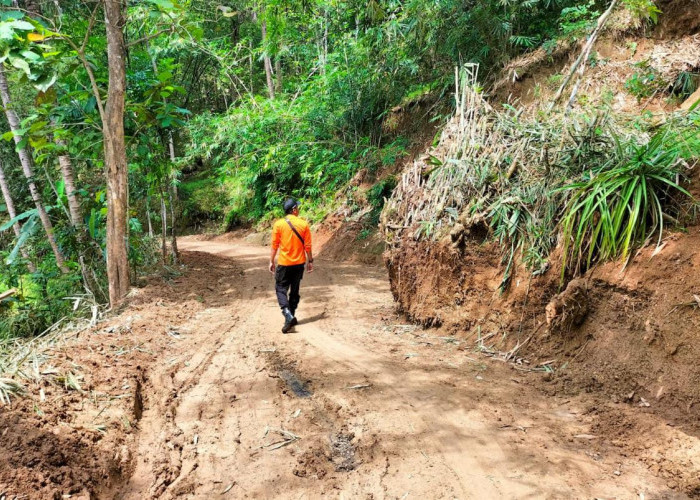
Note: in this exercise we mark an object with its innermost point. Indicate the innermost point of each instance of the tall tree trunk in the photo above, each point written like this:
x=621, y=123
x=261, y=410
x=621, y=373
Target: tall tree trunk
x=172, y=194
x=7, y=195
x=28, y=169
x=59, y=11
x=250, y=66
x=148, y=216
x=267, y=63
x=76, y=214
x=90, y=280
x=115, y=156
x=324, y=43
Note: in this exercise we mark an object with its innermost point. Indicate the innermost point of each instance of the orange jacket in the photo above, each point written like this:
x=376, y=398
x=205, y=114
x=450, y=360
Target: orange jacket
x=291, y=250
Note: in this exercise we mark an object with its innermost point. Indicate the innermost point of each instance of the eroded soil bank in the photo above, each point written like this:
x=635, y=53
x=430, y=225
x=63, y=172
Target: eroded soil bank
x=628, y=339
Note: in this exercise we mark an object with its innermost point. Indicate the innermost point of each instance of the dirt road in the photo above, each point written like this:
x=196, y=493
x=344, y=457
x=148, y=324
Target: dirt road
x=354, y=403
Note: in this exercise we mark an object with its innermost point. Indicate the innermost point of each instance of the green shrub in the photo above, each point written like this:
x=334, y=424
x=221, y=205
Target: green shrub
x=381, y=190
x=643, y=9
x=624, y=202
x=202, y=199
x=376, y=195
x=578, y=20
x=43, y=299
x=645, y=82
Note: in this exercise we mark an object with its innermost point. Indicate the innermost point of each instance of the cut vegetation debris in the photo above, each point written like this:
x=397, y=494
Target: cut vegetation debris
x=503, y=175
x=289, y=438
x=360, y=386
x=30, y=360
x=9, y=387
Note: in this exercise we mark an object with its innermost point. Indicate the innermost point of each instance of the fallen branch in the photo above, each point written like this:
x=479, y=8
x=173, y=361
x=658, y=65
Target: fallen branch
x=512, y=352
x=289, y=438
x=695, y=303
x=582, y=58
x=359, y=386
x=8, y=293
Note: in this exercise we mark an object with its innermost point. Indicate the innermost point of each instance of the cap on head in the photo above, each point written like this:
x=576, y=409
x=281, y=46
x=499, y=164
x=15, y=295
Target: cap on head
x=290, y=204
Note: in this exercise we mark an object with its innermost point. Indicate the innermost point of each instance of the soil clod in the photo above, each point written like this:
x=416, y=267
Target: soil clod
x=343, y=452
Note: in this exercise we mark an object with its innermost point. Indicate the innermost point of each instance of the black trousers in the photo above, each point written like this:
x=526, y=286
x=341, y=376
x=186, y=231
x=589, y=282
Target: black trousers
x=288, y=280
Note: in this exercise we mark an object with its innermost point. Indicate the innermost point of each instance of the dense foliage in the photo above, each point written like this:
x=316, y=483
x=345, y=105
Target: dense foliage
x=230, y=106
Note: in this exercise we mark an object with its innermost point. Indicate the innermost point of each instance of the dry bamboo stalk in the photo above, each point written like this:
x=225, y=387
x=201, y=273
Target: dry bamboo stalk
x=582, y=58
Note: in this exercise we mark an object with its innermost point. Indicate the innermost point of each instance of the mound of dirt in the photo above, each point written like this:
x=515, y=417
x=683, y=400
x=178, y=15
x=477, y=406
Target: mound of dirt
x=432, y=282
x=344, y=241
x=49, y=459
x=640, y=342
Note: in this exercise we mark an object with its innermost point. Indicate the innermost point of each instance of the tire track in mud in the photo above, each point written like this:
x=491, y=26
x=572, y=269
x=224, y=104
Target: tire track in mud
x=163, y=437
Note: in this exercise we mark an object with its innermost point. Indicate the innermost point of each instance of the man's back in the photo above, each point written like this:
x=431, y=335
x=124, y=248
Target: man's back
x=291, y=249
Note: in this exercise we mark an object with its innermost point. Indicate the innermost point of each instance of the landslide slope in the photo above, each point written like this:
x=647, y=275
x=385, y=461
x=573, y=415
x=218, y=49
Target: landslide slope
x=629, y=336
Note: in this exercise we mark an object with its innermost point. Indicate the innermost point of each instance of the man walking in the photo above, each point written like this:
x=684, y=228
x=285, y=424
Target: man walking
x=292, y=237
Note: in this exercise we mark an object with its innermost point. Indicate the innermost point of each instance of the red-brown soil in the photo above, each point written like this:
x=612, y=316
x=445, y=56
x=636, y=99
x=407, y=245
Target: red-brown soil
x=203, y=402
x=69, y=442
x=627, y=339
x=630, y=339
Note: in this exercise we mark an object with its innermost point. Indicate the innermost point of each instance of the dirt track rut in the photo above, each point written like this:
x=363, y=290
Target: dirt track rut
x=387, y=411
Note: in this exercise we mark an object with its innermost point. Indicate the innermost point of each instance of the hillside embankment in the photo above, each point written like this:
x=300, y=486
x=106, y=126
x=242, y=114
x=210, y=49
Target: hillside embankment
x=627, y=333
x=542, y=388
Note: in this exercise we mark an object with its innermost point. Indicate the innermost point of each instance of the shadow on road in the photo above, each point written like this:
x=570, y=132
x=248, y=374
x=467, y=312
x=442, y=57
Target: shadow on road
x=312, y=319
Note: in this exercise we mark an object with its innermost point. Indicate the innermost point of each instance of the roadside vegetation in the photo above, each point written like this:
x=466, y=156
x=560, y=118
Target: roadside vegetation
x=595, y=183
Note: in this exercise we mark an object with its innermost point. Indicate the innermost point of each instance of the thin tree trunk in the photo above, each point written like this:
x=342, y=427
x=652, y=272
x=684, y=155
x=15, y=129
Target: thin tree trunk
x=115, y=156
x=172, y=189
x=250, y=64
x=163, y=225
x=27, y=168
x=324, y=43
x=587, y=53
x=17, y=227
x=278, y=75
x=148, y=216
x=172, y=193
x=76, y=215
x=582, y=58
x=267, y=63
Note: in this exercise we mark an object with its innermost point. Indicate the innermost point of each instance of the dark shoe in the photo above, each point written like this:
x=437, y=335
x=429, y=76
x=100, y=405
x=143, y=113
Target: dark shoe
x=289, y=321
x=294, y=321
